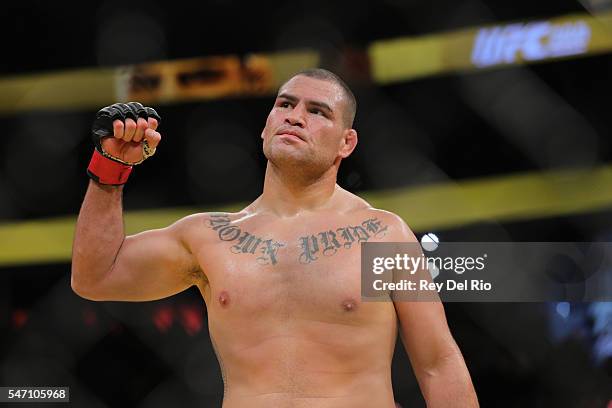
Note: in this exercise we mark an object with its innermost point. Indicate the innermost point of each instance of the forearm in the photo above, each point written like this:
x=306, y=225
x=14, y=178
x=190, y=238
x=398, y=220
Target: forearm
x=98, y=236
x=448, y=384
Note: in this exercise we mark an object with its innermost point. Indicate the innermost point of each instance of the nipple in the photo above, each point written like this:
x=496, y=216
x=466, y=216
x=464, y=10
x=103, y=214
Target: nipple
x=224, y=299
x=349, y=305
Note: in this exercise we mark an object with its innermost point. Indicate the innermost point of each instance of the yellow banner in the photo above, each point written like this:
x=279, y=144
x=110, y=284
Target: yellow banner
x=425, y=208
x=506, y=44
x=159, y=82
x=393, y=60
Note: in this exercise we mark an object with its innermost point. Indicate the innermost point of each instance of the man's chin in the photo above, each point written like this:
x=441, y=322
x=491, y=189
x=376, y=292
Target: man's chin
x=282, y=157
x=288, y=151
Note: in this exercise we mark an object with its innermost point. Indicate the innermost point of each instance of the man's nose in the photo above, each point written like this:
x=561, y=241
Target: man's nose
x=296, y=117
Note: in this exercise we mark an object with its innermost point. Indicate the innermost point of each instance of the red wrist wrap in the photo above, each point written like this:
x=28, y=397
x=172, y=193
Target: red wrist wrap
x=106, y=171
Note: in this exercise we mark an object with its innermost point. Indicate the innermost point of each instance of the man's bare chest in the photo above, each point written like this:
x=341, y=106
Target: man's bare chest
x=259, y=267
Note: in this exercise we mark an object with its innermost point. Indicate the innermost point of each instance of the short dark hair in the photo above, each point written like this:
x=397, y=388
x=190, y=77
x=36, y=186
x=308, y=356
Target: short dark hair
x=325, y=75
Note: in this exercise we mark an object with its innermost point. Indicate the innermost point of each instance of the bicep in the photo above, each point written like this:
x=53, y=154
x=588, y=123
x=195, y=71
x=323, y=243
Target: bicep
x=423, y=326
x=425, y=334
x=150, y=265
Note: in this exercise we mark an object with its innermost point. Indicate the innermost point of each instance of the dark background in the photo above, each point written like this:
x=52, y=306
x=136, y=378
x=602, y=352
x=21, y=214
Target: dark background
x=412, y=133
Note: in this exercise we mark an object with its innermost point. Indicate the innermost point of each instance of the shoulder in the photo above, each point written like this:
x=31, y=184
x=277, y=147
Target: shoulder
x=206, y=223
x=208, y=217
x=395, y=228
x=374, y=219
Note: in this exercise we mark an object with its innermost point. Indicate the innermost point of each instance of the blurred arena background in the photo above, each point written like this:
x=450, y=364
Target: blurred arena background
x=478, y=121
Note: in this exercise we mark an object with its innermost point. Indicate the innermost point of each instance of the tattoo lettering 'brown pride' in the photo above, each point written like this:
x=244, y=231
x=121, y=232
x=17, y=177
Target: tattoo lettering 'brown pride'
x=325, y=242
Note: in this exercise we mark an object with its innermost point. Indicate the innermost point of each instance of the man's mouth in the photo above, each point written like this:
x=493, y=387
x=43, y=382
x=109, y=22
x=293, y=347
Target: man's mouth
x=291, y=134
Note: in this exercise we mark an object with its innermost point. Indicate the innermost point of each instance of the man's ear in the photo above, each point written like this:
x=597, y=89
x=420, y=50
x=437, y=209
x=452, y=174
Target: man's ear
x=349, y=142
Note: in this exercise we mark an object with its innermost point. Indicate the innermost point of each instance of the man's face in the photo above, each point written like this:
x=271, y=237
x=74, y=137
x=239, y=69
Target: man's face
x=306, y=125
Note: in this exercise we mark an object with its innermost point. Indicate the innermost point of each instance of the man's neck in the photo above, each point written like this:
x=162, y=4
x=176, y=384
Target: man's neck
x=286, y=195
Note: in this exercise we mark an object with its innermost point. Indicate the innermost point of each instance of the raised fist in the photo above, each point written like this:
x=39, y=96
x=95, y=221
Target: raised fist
x=126, y=132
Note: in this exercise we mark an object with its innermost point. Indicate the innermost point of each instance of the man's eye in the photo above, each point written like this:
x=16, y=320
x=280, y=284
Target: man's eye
x=284, y=104
x=317, y=112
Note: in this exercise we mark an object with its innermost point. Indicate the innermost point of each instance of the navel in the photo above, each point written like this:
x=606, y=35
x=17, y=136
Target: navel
x=349, y=305
x=224, y=299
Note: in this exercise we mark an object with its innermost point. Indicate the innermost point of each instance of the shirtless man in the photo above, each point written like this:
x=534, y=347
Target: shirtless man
x=281, y=278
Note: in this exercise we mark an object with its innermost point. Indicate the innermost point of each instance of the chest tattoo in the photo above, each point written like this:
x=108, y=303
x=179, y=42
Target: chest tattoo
x=326, y=243
x=244, y=242
x=329, y=242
